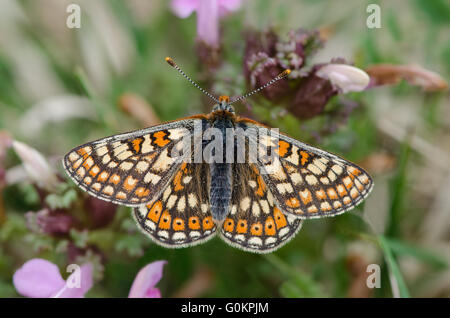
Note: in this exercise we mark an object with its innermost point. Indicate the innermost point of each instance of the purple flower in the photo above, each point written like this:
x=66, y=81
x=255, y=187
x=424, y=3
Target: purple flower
x=208, y=13
x=145, y=281
x=39, y=278
x=50, y=222
x=99, y=212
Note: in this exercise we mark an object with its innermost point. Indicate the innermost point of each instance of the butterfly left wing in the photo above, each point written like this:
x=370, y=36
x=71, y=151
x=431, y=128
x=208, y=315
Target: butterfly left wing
x=308, y=182
x=181, y=215
x=130, y=168
x=255, y=223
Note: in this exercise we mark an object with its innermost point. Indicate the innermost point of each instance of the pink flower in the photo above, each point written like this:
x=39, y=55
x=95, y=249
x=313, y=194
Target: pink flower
x=208, y=13
x=39, y=278
x=145, y=281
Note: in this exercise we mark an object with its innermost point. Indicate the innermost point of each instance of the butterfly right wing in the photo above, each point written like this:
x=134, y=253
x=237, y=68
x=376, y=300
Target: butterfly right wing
x=181, y=215
x=132, y=168
x=309, y=182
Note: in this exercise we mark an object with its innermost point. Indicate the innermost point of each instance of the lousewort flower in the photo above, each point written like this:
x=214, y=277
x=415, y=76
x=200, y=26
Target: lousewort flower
x=208, y=13
x=305, y=93
x=99, y=212
x=267, y=55
x=323, y=82
x=145, y=281
x=39, y=278
x=50, y=222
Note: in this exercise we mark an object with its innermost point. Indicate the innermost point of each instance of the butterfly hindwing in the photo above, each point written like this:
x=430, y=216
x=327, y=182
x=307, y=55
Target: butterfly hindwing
x=309, y=182
x=254, y=222
x=180, y=216
x=131, y=168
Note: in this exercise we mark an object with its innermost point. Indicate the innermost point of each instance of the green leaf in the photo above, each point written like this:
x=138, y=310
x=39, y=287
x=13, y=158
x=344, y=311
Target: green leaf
x=290, y=290
x=64, y=201
x=402, y=248
x=131, y=244
x=398, y=285
x=398, y=188
x=303, y=283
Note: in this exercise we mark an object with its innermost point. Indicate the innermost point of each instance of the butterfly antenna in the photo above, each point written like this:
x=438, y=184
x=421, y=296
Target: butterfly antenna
x=174, y=65
x=276, y=79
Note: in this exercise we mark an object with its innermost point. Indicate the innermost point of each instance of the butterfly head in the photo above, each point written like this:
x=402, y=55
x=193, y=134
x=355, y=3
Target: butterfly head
x=224, y=104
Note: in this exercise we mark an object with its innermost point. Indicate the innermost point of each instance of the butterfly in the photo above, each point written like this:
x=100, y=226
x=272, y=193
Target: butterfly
x=256, y=202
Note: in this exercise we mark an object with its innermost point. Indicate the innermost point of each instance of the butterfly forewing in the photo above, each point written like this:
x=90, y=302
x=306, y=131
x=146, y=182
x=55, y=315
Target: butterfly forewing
x=308, y=182
x=132, y=168
x=255, y=223
x=180, y=216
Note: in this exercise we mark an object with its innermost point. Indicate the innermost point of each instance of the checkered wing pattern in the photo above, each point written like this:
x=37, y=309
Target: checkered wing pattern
x=131, y=168
x=181, y=215
x=308, y=182
x=255, y=223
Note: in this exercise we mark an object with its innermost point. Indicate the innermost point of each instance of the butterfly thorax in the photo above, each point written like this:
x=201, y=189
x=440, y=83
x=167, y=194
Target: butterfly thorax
x=221, y=172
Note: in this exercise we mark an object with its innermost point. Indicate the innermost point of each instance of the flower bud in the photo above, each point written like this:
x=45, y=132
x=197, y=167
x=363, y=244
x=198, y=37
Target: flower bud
x=36, y=166
x=345, y=77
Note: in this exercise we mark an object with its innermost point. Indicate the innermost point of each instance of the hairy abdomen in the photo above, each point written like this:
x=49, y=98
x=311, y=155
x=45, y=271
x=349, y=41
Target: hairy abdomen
x=220, y=191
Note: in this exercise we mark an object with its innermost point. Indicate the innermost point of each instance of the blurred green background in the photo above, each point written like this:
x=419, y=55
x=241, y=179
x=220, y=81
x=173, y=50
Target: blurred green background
x=400, y=134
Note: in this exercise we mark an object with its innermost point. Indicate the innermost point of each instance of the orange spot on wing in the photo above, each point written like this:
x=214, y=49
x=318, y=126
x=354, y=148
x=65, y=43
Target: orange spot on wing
x=177, y=181
x=194, y=223
x=208, y=223
x=241, y=226
x=228, y=225
x=121, y=196
x=94, y=171
x=137, y=144
x=164, y=223
x=280, y=219
x=313, y=209
x=269, y=227
x=293, y=202
x=86, y=163
x=321, y=195
x=83, y=153
x=142, y=192
x=115, y=178
x=304, y=157
x=283, y=147
x=341, y=190
x=332, y=193
x=261, y=186
x=103, y=176
x=159, y=138
x=129, y=183
x=178, y=224
x=306, y=196
x=155, y=211
x=348, y=182
x=256, y=229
